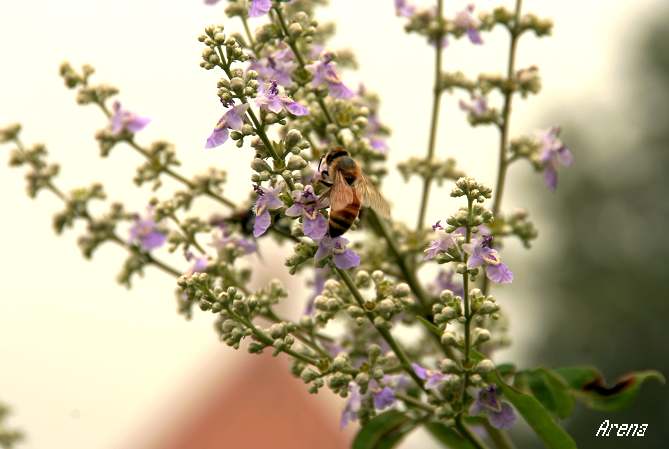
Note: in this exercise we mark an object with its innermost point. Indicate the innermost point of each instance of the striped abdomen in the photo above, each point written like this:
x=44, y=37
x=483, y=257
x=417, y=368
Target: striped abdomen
x=342, y=219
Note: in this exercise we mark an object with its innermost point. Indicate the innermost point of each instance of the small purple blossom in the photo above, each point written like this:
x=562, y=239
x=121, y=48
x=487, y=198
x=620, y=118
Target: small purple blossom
x=268, y=199
x=404, y=9
x=442, y=243
x=232, y=119
x=372, y=133
x=278, y=66
x=465, y=21
x=270, y=98
x=382, y=394
x=123, y=120
x=259, y=8
x=481, y=253
x=432, y=378
x=478, y=106
x=500, y=414
x=146, y=233
x=350, y=412
x=307, y=204
x=200, y=263
x=325, y=72
x=343, y=257
x=383, y=398
x=553, y=154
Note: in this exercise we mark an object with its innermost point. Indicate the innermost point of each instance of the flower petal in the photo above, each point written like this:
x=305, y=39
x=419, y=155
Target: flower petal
x=499, y=273
x=347, y=259
x=503, y=419
x=217, y=138
x=262, y=223
x=296, y=108
x=316, y=228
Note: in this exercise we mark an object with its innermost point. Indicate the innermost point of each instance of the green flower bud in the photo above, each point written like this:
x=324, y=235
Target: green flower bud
x=485, y=366
x=480, y=335
x=296, y=162
x=448, y=338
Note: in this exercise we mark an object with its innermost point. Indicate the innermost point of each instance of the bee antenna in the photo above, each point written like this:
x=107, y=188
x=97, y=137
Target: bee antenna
x=320, y=161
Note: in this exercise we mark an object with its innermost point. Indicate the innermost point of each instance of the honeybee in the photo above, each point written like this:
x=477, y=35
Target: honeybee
x=349, y=190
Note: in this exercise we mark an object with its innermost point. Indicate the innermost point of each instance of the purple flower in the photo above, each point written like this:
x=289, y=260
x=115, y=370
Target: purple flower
x=403, y=9
x=481, y=253
x=270, y=98
x=478, y=106
x=350, y=412
x=465, y=21
x=383, y=398
x=268, y=199
x=444, y=281
x=443, y=243
x=232, y=119
x=432, y=378
x=500, y=414
x=125, y=120
x=382, y=395
x=307, y=204
x=145, y=232
x=325, y=72
x=259, y=7
x=319, y=285
x=200, y=263
x=373, y=129
x=344, y=258
x=553, y=154
x=278, y=66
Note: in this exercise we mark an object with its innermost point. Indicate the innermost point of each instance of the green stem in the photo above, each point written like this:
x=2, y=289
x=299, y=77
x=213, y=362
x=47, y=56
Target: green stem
x=408, y=274
x=269, y=341
x=504, y=128
x=300, y=60
x=434, y=123
x=506, y=112
x=410, y=400
x=465, y=300
x=397, y=349
x=249, y=36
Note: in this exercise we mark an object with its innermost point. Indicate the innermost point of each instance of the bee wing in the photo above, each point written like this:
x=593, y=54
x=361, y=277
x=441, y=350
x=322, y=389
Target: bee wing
x=341, y=194
x=371, y=197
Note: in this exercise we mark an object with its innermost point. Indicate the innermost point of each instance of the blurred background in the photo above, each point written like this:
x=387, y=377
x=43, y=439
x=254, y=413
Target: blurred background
x=87, y=363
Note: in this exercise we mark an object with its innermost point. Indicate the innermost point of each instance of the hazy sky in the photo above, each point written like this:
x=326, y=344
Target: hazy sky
x=86, y=363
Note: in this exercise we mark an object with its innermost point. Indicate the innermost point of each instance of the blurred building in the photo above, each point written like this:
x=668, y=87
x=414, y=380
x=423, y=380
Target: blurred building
x=262, y=407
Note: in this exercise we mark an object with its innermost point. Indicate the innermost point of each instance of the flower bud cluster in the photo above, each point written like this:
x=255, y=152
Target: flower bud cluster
x=219, y=46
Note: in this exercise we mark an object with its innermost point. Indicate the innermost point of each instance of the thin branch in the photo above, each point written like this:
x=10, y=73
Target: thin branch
x=436, y=101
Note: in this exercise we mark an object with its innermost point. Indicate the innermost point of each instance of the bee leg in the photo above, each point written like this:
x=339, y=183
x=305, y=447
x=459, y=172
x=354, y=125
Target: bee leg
x=325, y=183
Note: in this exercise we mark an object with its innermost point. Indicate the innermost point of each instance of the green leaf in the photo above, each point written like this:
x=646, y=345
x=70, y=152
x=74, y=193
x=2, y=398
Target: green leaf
x=588, y=385
x=384, y=431
x=540, y=419
x=578, y=376
x=551, y=390
x=448, y=436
